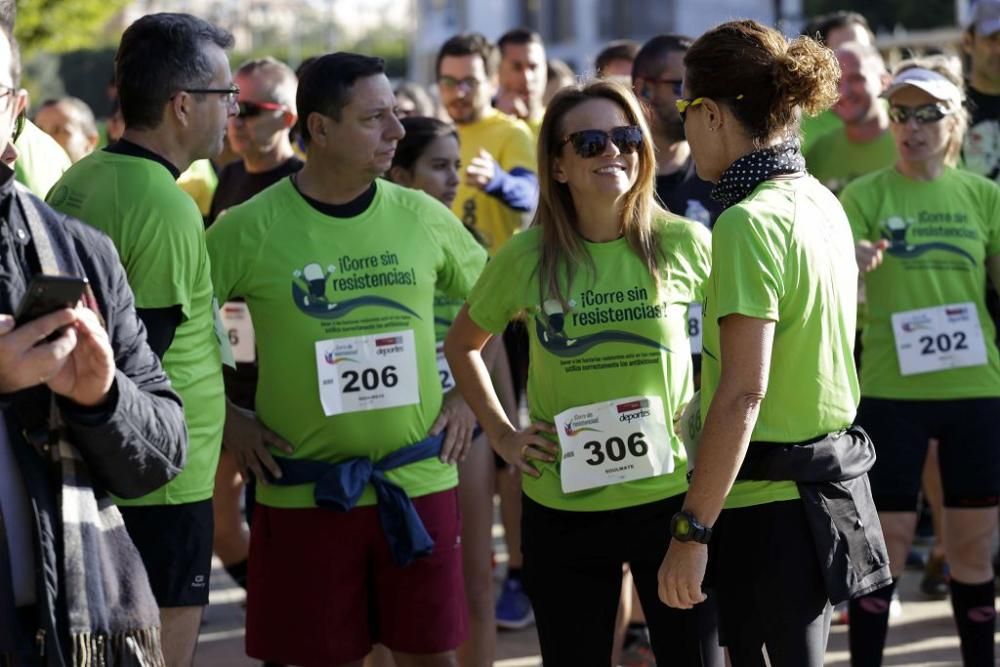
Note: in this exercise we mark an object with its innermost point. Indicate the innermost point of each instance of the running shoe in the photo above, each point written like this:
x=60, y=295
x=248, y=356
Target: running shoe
x=935, y=581
x=513, y=607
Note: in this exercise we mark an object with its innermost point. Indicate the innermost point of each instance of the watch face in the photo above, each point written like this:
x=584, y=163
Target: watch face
x=682, y=527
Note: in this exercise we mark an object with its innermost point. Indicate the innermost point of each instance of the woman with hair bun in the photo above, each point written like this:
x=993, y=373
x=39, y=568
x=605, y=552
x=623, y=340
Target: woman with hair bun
x=928, y=238
x=779, y=389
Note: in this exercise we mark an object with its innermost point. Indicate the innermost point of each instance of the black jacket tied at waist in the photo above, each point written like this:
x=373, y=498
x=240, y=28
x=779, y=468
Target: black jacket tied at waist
x=832, y=477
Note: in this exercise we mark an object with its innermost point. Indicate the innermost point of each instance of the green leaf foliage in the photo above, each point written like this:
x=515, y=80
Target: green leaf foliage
x=55, y=26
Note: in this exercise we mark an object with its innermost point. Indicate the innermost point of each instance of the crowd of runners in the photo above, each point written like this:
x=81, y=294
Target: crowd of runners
x=713, y=323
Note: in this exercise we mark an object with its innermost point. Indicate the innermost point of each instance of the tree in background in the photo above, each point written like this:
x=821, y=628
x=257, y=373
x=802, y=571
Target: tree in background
x=885, y=15
x=55, y=26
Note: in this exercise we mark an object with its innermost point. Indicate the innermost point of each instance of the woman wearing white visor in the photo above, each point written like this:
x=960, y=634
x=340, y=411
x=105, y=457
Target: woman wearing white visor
x=927, y=236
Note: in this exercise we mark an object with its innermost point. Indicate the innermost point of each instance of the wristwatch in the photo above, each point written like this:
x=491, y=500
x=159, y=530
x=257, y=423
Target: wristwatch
x=685, y=528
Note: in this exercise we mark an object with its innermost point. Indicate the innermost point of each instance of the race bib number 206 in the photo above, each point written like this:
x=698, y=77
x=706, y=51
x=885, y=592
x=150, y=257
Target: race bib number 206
x=367, y=372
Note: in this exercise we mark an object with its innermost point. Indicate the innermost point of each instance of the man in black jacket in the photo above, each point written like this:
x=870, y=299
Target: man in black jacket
x=123, y=424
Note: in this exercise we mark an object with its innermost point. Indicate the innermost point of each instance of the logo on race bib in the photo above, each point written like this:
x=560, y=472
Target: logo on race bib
x=904, y=235
x=957, y=314
x=918, y=323
x=584, y=423
x=629, y=412
x=311, y=287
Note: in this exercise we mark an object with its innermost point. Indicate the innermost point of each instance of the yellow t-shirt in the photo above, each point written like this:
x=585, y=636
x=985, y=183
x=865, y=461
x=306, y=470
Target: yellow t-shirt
x=510, y=143
x=200, y=181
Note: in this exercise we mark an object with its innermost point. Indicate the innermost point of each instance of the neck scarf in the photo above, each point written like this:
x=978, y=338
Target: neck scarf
x=742, y=176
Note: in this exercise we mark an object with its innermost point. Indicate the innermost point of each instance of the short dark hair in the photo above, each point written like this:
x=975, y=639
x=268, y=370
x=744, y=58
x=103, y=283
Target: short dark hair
x=519, y=37
x=620, y=49
x=820, y=27
x=648, y=61
x=325, y=85
x=159, y=55
x=469, y=44
x=420, y=132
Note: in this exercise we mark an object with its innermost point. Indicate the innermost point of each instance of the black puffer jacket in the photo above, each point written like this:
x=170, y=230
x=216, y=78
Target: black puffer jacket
x=134, y=445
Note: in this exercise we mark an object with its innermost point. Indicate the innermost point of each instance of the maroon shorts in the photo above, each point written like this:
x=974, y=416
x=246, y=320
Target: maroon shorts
x=323, y=587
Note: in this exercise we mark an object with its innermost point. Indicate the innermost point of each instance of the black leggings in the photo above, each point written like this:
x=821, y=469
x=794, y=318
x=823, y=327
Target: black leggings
x=573, y=576
x=769, y=586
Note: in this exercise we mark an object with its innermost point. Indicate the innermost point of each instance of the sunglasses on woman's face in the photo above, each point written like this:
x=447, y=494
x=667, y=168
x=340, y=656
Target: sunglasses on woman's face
x=591, y=143
x=927, y=113
x=254, y=109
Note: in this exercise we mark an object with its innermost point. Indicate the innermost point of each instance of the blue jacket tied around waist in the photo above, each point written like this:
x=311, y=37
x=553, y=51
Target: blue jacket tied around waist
x=339, y=486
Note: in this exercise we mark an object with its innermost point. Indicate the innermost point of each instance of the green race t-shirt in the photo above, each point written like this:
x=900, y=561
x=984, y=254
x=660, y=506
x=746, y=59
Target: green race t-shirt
x=835, y=161
x=785, y=253
x=348, y=302
x=941, y=233
x=814, y=127
x=622, y=337
x=161, y=240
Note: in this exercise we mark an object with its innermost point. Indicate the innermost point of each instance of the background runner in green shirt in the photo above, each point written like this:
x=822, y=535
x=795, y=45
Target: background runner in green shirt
x=927, y=236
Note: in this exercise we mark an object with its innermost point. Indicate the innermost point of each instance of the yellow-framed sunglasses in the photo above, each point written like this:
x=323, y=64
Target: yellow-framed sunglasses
x=683, y=104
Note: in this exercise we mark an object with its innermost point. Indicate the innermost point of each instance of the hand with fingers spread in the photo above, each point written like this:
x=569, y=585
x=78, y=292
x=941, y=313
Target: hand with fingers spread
x=869, y=255
x=457, y=417
x=520, y=448
x=682, y=573
x=27, y=359
x=248, y=441
x=88, y=373
x=481, y=170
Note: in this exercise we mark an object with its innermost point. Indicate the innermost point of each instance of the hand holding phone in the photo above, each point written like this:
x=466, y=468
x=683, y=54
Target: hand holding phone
x=47, y=294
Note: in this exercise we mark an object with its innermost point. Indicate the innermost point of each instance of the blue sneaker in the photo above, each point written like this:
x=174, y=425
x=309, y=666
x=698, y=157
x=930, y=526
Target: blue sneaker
x=513, y=607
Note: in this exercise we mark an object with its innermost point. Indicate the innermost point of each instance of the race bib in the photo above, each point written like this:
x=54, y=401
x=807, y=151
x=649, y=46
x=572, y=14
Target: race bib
x=221, y=337
x=444, y=370
x=239, y=329
x=939, y=338
x=694, y=327
x=613, y=442
x=367, y=372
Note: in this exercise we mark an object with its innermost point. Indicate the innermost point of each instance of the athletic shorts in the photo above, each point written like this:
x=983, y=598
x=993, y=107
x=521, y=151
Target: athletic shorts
x=175, y=542
x=969, y=434
x=323, y=587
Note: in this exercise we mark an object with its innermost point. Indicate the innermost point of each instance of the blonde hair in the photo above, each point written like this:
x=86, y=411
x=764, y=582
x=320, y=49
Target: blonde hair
x=562, y=247
x=951, y=70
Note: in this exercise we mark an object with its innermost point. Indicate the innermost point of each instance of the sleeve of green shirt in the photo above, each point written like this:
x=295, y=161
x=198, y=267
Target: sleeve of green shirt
x=493, y=302
x=228, y=252
x=701, y=258
x=991, y=203
x=853, y=202
x=462, y=259
x=166, y=266
x=747, y=258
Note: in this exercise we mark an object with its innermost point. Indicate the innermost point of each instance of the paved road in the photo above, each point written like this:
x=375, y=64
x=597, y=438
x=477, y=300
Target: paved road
x=923, y=635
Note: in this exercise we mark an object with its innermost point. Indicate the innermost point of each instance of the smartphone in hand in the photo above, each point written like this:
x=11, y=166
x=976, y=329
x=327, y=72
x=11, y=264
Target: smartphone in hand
x=47, y=294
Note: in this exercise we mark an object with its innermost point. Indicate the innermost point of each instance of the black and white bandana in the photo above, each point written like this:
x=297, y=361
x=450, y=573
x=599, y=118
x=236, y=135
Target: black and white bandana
x=742, y=176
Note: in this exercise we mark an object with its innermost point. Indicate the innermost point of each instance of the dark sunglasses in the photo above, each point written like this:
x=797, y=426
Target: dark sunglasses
x=591, y=143
x=253, y=109
x=927, y=113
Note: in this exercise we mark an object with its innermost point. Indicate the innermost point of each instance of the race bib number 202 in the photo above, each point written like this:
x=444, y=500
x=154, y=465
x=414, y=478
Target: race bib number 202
x=367, y=372
x=938, y=338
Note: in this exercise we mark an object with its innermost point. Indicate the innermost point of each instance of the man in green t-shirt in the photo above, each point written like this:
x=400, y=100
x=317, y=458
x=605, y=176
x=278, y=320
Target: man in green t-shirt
x=863, y=144
x=176, y=94
x=339, y=272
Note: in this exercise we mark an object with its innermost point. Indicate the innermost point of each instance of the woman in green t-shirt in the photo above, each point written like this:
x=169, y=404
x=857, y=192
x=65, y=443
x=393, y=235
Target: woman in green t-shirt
x=777, y=369
x=928, y=236
x=603, y=280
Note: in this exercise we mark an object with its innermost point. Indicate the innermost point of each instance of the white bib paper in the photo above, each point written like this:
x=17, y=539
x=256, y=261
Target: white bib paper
x=444, y=370
x=612, y=442
x=694, y=327
x=367, y=372
x=239, y=327
x=938, y=338
x=221, y=336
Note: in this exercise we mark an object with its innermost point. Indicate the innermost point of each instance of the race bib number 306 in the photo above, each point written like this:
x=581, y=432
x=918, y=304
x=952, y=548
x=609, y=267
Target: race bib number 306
x=612, y=442
x=939, y=338
x=367, y=372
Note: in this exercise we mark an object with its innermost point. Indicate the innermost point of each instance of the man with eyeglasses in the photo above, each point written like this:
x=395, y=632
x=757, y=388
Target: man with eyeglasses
x=499, y=186
x=258, y=134
x=176, y=94
x=863, y=143
x=657, y=74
